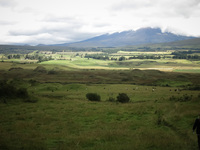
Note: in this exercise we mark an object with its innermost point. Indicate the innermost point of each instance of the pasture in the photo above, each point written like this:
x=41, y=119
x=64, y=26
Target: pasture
x=64, y=119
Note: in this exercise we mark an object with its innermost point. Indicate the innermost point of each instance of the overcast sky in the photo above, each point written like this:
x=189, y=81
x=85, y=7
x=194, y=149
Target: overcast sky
x=61, y=21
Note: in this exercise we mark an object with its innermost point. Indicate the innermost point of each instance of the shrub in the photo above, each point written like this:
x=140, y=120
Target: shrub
x=9, y=91
x=93, y=97
x=123, y=98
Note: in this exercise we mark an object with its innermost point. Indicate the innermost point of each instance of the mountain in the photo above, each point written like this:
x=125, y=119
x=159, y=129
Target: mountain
x=127, y=38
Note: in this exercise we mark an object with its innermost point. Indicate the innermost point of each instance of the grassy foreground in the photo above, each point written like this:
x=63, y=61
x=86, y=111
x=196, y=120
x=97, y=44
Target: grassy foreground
x=63, y=119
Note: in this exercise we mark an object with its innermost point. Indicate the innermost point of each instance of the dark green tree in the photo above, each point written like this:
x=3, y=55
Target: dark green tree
x=123, y=98
x=122, y=58
x=93, y=97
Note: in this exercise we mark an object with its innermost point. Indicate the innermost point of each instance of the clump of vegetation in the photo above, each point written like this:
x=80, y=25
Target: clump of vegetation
x=183, y=98
x=8, y=91
x=93, y=97
x=123, y=98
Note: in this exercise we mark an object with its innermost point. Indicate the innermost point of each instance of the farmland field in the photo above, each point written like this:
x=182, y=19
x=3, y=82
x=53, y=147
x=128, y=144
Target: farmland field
x=163, y=65
x=164, y=103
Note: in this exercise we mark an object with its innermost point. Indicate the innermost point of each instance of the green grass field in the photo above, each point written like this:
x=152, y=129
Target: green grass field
x=65, y=119
x=163, y=64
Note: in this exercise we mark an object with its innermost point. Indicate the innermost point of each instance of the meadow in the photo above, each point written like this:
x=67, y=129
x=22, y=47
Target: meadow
x=160, y=115
x=64, y=119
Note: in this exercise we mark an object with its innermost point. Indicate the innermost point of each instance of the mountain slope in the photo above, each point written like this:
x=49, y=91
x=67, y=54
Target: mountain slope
x=141, y=36
x=191, y=43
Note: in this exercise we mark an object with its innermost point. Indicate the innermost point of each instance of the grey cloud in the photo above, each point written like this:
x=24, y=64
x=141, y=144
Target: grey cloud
x=58, y=30
x=131, y=5
x=51, y=18
x=52, y=35
x=68, y=22
x=53, y=39
x=101, y=25
x=43, y=40
x=179, y=8
x=7, y=3
x=4, y=22
x=53, y=26
x=187, y=8
x=74, y=22
x=23, y=32
x=167, y=8
x=28, y=10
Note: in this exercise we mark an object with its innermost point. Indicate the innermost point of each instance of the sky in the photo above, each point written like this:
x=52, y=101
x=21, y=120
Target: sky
x=63, y=21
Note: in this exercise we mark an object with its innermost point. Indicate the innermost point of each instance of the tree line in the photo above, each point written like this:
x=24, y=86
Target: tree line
x=97, y=56
x=184, y=55
x=36, y=56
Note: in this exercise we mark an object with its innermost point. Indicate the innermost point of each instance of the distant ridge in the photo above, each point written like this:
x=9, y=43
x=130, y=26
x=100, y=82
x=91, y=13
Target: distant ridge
x=128, y=38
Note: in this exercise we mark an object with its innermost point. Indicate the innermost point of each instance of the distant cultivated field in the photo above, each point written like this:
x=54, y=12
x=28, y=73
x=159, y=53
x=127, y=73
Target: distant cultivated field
x=77, y=60
x=160, y=64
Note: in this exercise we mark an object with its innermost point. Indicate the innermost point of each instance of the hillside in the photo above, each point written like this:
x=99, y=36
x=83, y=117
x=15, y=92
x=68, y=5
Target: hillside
x=191, y=43
x=188, y=44
x=138, y=37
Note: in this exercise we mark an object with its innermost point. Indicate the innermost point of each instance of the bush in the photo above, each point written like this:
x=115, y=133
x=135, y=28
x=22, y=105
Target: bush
x=9, y=91
x=123, y=98
x=93, y=97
